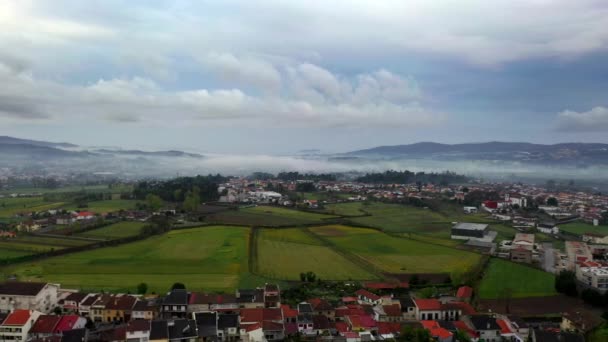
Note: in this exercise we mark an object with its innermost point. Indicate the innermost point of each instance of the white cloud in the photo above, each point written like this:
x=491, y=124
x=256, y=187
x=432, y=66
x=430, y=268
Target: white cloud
x=594, y=120
x=247, y=70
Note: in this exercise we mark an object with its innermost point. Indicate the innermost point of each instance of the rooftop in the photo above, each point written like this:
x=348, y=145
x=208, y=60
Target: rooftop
x=470, y=226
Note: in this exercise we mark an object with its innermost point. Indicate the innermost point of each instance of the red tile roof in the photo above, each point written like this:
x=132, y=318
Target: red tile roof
x=460, y=325
x=361, y=321
x=435, y=329
x=138, y=325
x=17, y=317
x=67, y=322
x=367, y=294
x=464, y=292
x=273, y=326
x=392, y=310
x=351, y=334
x=349, y=299
x=252, y=327
x=428, y=304
x=319, y=304
x=45, y=324
x=342, y=327
x=466, y=308
x=385, y=328
x=288, y=312
x=252, y=315
x=504, y=326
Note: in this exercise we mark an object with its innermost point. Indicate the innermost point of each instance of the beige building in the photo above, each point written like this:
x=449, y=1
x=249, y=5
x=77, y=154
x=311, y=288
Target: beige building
x=522, y=248
x=593, y=275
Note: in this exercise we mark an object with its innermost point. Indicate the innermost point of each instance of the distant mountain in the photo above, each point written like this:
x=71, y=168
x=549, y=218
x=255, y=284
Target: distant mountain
x=10, y=140
x=37, y=151
x=586, y=153
x=170, y=153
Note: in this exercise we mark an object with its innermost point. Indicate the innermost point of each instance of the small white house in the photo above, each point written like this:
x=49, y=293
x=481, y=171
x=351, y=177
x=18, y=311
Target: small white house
x=470, y=210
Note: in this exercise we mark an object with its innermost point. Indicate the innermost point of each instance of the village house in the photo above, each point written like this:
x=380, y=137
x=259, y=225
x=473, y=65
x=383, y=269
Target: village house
x=17, y=325
x=28, y=295
x=322, y=307
x=71, y=303
x=522, y=248
x=146, y=309
x=206, y=325
x=485, y=326
x=366, y=297
x=228, y=327
x=138, y=330
x=51, y=325
x=175, y=304
x=118, y=309
x=250, y=298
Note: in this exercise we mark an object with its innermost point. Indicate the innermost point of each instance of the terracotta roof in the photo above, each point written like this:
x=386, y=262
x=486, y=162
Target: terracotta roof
x=435, y=329
x=392, y=310
x=252, y=327
x=76, y=296
x=361, y=321
x=288, y=312
x=504, y=326
x=428, y=304
x=349, y=299
x=342, y=327
x=367, y=294
x=17, y=317
x=464, y=292
x=272, y=326
x=460, y=325
x=67, y=322
x=385, y=328
x=319, y=304
x=45, y=324
x=123, y=303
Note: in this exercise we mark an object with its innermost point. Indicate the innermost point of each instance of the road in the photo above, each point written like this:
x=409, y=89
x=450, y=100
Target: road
x=548, y=257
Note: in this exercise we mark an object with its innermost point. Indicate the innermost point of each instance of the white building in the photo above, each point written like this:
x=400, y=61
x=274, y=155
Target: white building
x=17, y=325
x=29, y=296
x=593, y=275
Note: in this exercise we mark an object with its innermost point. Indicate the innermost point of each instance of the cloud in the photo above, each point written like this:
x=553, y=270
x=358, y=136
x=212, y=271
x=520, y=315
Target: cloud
x=594, y=120
x=244, y=70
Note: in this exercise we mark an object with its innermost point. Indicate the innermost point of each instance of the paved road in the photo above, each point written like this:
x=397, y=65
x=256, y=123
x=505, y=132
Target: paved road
x=549, y=257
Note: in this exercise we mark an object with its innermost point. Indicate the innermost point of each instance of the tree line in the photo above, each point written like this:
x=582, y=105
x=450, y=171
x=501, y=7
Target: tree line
x=407, y=177
x=192, y=190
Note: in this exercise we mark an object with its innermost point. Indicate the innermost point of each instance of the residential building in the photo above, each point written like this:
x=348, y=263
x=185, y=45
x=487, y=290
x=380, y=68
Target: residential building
x=145, y=309
x=228, y=327
x=206, y=325
x=139, y=330
x=522, y=248
x=593, y=275
x=17, y=325
x=118, y=309
x=175, y=304
x=28, y=296
x=485, y=326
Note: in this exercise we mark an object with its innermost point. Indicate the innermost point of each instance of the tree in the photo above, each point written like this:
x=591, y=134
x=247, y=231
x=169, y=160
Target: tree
x=462, y=336
x=302, y=277
x=178, y=286
x=552, y=201
x=142, y=288
x=565, y=283
x=57, y=310
x=592, y=297
x=192, y=200
x=154, y=202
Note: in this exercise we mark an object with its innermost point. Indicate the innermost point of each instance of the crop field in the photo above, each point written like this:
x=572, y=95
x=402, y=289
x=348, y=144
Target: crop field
x=101, y=207
x=401, y=219
x=206, y=258
x=115, y=231
x=504, y=278
x=345, y=209
x=266, y=216
x=50, y=240
x=12, y=206
x=581, y=228
x=398, y=255
x=285, y=253
x=26, y=247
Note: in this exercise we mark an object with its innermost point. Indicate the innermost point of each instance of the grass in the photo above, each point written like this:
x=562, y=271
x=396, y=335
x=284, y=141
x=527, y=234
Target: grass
x=10, y=207
x=53, y=241
x=102, y=207
x=206, y=258
x=115, y=231
x=102, y=188
x=502, y=277
x=285, y=253
x=29, y=248
x=580, y=228
x=11, y=254
x=398, y=255
x=266, y=216
x=345, y=209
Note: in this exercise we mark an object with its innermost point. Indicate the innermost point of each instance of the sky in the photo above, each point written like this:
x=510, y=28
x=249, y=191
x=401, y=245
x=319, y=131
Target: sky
x=276, y=77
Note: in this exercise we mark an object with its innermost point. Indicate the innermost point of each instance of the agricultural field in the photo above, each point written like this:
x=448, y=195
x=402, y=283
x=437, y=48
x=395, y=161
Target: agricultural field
x=28, y=244
x=115, y=231
x=102, y=188
x=208, y=258
x=580, y=228
x=266, y=216
x=102, y=207
x=10, y=207
x=344, y=209
x=504, y=278
x=398, y=255
x=285, y=253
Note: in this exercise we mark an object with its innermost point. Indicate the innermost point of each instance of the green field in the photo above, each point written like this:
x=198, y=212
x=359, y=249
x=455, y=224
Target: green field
x=345, y=209
x=115, y=231
x=102, y=207
x=22, y=205
x=74, y=188
x=285, y=253
x=266, y=216
x=581, y=228
x=206, y=258
x=398, y=255
x=53, y=241
x=26, y=247
x=504, y=278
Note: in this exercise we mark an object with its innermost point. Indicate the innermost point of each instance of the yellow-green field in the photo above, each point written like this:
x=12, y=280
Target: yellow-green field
x=10, y=207
x=102, y=207
x=115, y=231
x=206, y=258
x=285, y=253
x=398, y=255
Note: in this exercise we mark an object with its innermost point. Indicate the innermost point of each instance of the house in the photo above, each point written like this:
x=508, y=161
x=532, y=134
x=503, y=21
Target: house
x=304, y=319
x=389, y=331
x=464, y=293
x=437, y=332
x=145, y=309
x=547, y=228
x=593, y=275
x=28, y=295
x=84, y=307
x=408, y=308
x=367, y=297
x=361, y=322
x=71, y=303
x=199, y=302
x=472, y=231
x=272, y=296
x=228, y=327
x=470, y=210
x=84, y=215
x=17, y=325
x=69, y=322
x=250, y=298
x=175, y=304
x=269, y=319
x=206, y=325
x=44, y=326
x=322, y=307
x=118, y=309
x=321, y=324
x=138, y=330
x=97, y=309
x=427, y=309
x=522, y=248
x=388, y=313
x=485, y=326
x=290, y=319
x=433, y=310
